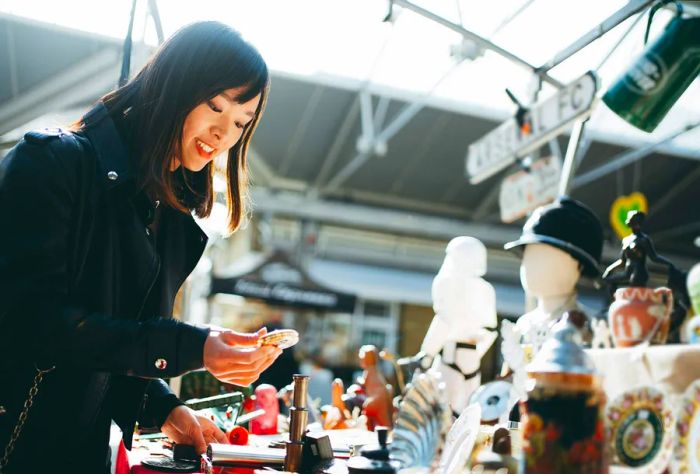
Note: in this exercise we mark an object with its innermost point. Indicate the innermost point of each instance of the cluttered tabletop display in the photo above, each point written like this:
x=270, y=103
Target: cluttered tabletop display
x=578, y=393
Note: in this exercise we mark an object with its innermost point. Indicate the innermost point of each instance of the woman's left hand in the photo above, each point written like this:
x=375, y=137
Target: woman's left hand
x=184, y=426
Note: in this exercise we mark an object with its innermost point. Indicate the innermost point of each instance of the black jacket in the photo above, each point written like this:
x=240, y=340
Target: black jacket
x=85, y=287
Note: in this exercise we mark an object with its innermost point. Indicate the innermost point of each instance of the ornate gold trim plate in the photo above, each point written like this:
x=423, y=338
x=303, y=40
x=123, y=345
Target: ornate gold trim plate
x=640, y=430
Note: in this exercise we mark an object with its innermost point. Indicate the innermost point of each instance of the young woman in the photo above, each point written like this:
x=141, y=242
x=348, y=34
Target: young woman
x=98, y=236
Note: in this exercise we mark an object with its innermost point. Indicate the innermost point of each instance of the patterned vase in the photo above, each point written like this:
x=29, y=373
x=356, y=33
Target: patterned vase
x=640, y=314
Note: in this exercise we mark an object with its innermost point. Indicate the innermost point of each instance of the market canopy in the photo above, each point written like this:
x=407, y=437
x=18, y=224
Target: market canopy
x=279, y=281
x=371, y=116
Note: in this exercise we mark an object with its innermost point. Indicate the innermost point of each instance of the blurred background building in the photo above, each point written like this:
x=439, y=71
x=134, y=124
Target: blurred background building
x=358, y=166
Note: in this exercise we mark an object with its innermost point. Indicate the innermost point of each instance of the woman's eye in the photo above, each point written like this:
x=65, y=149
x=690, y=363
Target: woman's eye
x=239, y=125
x=213, y=107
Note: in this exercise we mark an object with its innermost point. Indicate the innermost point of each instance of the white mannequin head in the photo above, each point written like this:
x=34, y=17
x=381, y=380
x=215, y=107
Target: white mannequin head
x=465, y=256
x=547, y=271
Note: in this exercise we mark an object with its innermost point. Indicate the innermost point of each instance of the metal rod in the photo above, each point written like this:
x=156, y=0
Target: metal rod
x=677, y=189
x=479, y=39
x=676, y=231
x=632, y=7
x=12, y=60
x=624, y=159
x=570, y=162
x=366, y=119
x=405, y=116
x=619, y=41
x=512, y=16
x=380, y=113
x=300, y=130
x=153, y=7
x=233, y=455
x=298, y=419
x=301, y=384
x=338, y=142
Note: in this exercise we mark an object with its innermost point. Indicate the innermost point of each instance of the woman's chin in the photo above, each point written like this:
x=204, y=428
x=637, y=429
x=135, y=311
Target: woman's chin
x=195, y=165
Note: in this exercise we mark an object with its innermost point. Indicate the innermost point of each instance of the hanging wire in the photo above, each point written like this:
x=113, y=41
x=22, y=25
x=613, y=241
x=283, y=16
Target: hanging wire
x=620, y=182
x=622, y=38
x=126, y=59
x=506, y=21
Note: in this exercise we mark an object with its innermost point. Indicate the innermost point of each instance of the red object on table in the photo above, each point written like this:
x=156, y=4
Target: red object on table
x=265, y=398
x=238, y=435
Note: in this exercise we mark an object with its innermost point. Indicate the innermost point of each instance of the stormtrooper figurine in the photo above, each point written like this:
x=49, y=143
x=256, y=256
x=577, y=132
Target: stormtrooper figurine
x=465, y=319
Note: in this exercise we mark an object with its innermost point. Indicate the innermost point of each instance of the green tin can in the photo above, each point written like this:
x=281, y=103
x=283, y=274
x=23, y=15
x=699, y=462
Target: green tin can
x=645, y=93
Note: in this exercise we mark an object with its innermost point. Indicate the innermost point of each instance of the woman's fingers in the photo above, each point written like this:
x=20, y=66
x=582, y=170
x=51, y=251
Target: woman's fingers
x=220, y=437
x=234, y=338
x=212, y=433
x=258, y=365
x=198, y=441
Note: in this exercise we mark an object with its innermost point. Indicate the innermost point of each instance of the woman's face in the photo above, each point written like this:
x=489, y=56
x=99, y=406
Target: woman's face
x=212, y=128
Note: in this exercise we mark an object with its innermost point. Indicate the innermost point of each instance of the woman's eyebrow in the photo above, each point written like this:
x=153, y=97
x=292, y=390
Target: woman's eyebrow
x=249, y=113
x=229, y=98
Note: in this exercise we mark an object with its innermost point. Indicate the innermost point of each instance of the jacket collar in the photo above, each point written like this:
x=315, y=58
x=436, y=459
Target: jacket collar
x=113, y=157
x=111, y=151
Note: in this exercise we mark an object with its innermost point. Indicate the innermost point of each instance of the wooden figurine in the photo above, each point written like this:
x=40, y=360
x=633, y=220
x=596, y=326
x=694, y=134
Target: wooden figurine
x=377, y=407
x=337, y=415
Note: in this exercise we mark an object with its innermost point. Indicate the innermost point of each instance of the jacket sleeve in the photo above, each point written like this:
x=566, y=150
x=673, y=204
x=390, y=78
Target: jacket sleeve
x=159, y=401
x=40, y=183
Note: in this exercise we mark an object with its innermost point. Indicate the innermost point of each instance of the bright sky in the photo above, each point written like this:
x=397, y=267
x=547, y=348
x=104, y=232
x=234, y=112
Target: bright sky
x=345, y=41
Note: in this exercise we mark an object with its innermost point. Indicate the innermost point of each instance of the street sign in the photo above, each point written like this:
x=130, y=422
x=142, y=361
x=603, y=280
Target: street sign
x=500, y=147
x=525, y=191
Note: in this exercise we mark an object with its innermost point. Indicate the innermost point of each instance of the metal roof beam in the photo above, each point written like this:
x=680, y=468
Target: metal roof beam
x=677, y=189
x=85, y=81
x=337, y=145
x=572, y=158
x=632, y=7
x=626, y=158
x=12, y=60
x=480, y=40
x=369, y=217
x=368, y=148
x=427, y=225
x=301, y=128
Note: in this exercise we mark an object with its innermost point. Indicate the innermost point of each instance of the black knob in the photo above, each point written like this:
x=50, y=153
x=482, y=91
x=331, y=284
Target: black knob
x=382, y=435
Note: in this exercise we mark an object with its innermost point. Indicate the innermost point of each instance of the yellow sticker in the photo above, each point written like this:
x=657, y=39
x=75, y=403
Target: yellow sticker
x=619, y=209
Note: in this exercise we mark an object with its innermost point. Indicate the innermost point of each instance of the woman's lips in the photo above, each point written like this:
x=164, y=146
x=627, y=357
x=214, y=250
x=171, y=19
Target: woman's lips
x=204, y=149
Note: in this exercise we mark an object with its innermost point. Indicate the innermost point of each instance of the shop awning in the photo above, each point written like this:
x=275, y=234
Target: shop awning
x=279, y=281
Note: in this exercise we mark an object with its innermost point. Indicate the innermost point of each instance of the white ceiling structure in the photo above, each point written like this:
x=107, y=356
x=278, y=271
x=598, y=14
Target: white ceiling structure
x=369, y=121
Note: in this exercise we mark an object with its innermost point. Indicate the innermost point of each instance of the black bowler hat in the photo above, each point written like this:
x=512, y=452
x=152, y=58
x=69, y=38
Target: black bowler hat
x=568, y=225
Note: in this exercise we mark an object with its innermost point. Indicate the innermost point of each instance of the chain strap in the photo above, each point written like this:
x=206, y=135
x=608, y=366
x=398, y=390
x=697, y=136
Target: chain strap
x=23, y=416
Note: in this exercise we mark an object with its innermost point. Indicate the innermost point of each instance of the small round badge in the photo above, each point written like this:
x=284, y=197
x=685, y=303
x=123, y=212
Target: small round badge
x=161, y=364
x=282, y=338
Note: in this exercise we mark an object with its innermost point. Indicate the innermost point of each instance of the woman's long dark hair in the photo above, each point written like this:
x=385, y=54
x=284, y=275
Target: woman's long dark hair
x=197, y=63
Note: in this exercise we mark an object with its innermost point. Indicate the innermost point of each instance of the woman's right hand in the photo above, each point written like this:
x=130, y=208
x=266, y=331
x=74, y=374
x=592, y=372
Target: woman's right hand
x=235, y=357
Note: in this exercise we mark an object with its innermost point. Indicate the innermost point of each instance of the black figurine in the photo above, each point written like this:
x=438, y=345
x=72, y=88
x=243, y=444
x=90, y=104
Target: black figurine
x=636, y=247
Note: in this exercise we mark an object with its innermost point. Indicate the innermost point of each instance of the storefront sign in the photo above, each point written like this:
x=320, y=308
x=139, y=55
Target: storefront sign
x=545, y=120
x=278, y=281
x=524, y=191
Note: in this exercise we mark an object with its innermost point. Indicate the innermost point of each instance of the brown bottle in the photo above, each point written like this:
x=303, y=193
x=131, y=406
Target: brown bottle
x=377, y=407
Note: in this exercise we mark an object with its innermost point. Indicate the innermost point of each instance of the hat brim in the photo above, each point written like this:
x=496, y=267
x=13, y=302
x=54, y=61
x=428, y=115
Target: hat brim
x=590, y=265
